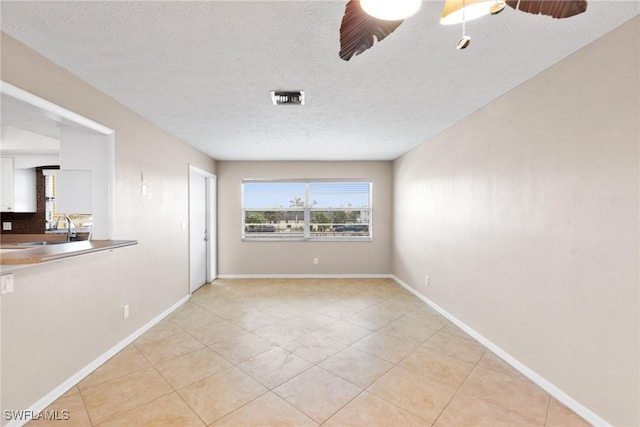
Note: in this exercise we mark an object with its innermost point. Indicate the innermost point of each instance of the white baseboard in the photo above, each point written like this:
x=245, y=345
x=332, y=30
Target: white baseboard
x=546, y=385
x=53, y=395
x=304, y=276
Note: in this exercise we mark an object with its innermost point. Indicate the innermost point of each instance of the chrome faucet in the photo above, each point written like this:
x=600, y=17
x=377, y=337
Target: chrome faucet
x=70, y=234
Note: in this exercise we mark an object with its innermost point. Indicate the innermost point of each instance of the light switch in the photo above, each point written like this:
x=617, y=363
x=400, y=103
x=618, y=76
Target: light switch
x=6, y=283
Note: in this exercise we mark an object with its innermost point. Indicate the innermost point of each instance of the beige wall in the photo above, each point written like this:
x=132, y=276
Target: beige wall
x=63, y=315
x=238, y=257
x=525, y=217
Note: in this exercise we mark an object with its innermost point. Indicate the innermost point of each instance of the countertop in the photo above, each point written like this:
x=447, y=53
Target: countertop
x=19, y=254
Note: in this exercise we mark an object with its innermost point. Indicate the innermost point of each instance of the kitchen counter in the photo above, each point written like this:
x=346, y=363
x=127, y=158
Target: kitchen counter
x=21, y=254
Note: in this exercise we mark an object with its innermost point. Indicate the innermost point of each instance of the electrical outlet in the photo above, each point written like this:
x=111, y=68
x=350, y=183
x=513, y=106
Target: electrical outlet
x=426, y=280
x=315, y=260
x=125, y=311
x=6, y=284
x=6, y=226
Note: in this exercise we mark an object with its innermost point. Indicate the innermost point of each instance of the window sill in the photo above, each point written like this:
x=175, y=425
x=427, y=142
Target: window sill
x=308, y=239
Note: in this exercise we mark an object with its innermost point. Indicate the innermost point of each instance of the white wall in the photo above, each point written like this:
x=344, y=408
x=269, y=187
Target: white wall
x=525, y=216
x=245, y=258
x=63, y=315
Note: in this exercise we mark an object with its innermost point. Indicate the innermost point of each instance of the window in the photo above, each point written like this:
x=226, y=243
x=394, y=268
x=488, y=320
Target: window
x=49, y=196
x=306, y=210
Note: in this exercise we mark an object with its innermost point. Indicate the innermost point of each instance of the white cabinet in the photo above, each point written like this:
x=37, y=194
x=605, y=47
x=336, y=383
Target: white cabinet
x=18, y=187
x=7, y=200
x=73, y=192
x=24, y=193
x=74, y=184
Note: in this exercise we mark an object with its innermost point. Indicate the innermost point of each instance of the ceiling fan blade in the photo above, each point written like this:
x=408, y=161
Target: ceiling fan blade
x=359, y=30
x=554, y=8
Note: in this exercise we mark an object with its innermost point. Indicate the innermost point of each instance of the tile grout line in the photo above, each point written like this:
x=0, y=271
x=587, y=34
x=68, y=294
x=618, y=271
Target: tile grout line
x=314, y=365
x=459, y=388
x=177, y=392
x=494, y=371
x=84, y=405
x=366, y=389
x=317, y=365
x=546, y=415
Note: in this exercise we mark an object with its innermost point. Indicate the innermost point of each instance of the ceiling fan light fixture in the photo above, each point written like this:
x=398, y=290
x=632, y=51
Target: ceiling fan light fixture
x=390, y=10
x=453, y=10
x=497, y=7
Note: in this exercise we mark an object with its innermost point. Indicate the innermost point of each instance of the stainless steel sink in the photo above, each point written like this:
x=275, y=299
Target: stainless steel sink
x=43, y=243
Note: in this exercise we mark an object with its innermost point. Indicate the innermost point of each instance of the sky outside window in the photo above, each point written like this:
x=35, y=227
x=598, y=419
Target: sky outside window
x=324, y=194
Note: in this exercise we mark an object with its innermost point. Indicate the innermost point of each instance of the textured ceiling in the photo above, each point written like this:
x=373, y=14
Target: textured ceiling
x=203, y=70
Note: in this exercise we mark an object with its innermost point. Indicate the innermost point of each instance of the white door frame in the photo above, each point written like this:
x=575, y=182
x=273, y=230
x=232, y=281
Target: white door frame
x=211, y=206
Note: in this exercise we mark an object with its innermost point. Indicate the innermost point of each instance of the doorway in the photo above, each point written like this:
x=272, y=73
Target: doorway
x=86, y=146
x=202, y=228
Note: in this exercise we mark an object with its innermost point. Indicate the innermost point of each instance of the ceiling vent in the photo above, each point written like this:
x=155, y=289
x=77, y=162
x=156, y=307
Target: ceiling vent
x=287, y=97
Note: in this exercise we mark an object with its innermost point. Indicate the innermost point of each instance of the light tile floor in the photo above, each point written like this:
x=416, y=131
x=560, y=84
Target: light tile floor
x=334, y=352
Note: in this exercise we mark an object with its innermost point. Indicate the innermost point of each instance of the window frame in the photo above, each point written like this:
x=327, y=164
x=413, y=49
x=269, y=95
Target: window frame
x=307, y=210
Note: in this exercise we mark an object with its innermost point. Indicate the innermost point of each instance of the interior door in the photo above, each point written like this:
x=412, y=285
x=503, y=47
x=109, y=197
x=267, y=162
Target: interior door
x=198, y=230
